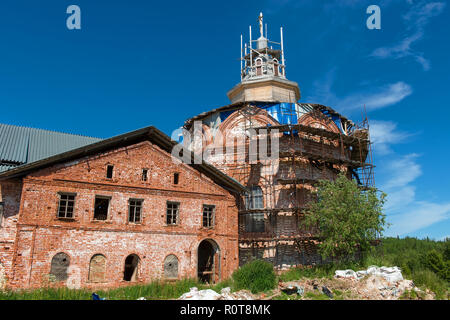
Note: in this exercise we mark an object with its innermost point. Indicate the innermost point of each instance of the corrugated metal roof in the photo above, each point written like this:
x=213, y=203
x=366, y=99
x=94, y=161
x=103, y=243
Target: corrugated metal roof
x=20, y=145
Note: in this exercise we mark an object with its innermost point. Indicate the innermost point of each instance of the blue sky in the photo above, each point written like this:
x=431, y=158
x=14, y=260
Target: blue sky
x=139, y=63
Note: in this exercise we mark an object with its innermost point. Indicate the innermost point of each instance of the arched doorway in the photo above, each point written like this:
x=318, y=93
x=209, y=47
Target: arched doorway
x=208, y=259
x=131, y=268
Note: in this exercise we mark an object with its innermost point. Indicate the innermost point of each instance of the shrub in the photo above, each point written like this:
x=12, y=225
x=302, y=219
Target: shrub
x=428, y=279
x=255, y=276
x=435, y=262
x=348, y=218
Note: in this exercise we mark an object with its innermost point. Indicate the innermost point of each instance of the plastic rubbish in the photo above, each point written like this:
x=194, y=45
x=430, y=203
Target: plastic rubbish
x=208, y=294
x=391, y=274
x=96, y=297
x=327, y=291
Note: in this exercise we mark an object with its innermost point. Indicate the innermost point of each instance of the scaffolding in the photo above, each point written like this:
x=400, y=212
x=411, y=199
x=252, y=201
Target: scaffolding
x=306, y=155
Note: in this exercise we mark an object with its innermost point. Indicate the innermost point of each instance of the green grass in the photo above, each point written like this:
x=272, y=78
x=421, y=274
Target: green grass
x=155, y=290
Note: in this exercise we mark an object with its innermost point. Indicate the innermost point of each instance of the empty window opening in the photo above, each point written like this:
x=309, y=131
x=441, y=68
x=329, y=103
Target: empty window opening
x=258, y=66
x=130, y=272
x=171, y=267
x=66, y=205
x=172, y=212
x=101, y=208
x=254, y=222
x=97, y=268
x=254, y=199
x=276, y=67
x=109, y=171
x=176, y=177
x=59, y=265
x=144, y=175
x=208, y=215
x=134, y=210
x=208, y=261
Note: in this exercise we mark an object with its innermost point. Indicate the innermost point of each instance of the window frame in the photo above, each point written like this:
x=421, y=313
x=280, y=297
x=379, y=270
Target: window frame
x=67, y=194
x=134, y=213
x=211, y=216
x=107, y=171
x=251, y=205
x=146, y=171
x=252, y=223
x=176, y=178
x=107, y=211
x=177, y=216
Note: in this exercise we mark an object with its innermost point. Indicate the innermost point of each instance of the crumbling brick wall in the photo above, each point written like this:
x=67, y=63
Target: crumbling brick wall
x=10, y=195
x=41, y=234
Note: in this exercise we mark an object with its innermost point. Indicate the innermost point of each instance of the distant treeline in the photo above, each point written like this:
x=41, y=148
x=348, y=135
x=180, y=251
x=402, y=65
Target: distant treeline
x=425, y=261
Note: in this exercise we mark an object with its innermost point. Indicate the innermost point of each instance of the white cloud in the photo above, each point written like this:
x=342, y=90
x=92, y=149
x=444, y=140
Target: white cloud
x=418, y=216
x=403, y=171
x=372, y=98
x=383, y=134
x=404, y=211
x=416, y=18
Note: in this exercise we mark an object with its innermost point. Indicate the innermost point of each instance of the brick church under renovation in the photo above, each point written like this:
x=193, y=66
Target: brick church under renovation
x=81, y=211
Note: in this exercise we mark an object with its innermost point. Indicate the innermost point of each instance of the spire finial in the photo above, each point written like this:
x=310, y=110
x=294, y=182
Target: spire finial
x=261, y=23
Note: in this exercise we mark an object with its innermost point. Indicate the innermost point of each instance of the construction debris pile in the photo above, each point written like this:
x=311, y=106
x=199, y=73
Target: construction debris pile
x=225, y=294
x=375, y=283
x=391, y=274
x=384, y=283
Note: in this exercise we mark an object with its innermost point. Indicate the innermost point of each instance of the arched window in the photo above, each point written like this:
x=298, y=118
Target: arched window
x=276, y=67
x=171, y=267
x=130, y=272
x=258, y=63
x=254, y=199
x=97, y=268
x=59, y=266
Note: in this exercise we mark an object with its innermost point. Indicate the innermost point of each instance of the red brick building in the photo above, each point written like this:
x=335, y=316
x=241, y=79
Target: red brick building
x=115, y=211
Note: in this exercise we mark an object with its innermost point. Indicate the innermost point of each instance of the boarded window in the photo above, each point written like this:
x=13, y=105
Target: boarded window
x=109, y=171
x=172, y=212
x=254, y=199
x=101, y=208
x=171, y=267
x=134, y=210
x=97, y=268
x=60, y=264
x=208, y=216
x=254, y=222
x=66, y=205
